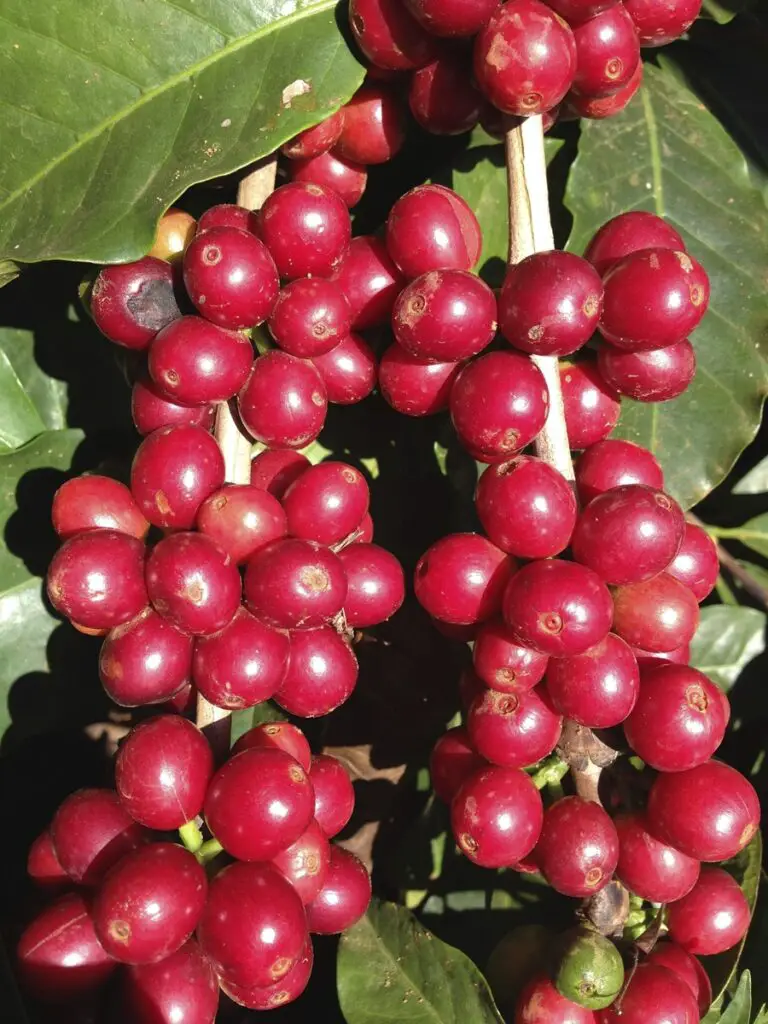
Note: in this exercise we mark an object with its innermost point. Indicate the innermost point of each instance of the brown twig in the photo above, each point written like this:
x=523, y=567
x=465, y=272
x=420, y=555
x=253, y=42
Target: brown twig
x=734, y=567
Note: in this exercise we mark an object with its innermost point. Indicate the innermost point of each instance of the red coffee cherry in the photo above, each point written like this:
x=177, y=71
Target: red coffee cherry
x=598, y=688
x=326, y=503
x=375, y=584
x=471, y=686
x=306, y=863
x=321, y=674
x=655, y=375
x=513, y=729
x=284, y=401
x=541, y=1003
x=311, y=317
x=275, y=470
x=144, y=661
x=686, y=967
x=277, y=736
x=650, y=868
x=374, y=126
x=295, y=584
x=461, y=578
x=696, y=563
x=654, y=995
x=659, y=24
x=195, y=362
x=279, y=993
x=712, y=917
x=241, y=519
x=344, y=898
x=96, y=503
x=452, y=17
x=183, y=984
x=452, y=761
x=578, y=848
x=614, y=463
x=575, y=105
x=306, y=228
x=370, y=281
x=389, y=36
x=591, y=407
x=607, y=52
x=348, y=370
x=577, y=11
x=627, y=233
x=43, y=865
x=496, y=816
x=151, y=409
x=331, y=170
x=228, y=215
x=91, y=831
x=443, y=98
x=334, y=795
x=659, y=614
x=414, y=386
x=131, y=302
x=504, y=664
x=315, y=140
x=432, y=228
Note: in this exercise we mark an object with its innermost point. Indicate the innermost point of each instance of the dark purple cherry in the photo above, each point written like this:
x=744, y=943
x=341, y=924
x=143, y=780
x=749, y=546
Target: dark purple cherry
x=274, y=470
x=598, y=688
x=151, y=409
x=195, y=362
x=334, y=795
x=513, y=729
x=326, y=503
x=306, y=863
x=650, y=868
x=389, y=36
x=331, y=170
x=461, y=578
x=144, y=661
x=91, y=831
x=712, y=917
x=452, y=761
x=614, y=463
x=432, y=228
x=630, y=232
x=375, y=584
x=655, y=375
x=348, y=370
x=607, y=52
x=696, y=563
x=659, y=614
x=591, y=406
x=578, y=849
x=442, y=96
x=496, y=816
x=182, y=989
x=306, y=228
x=414, y=386
x=96, y=503
x=295, y=584
x=504, y=664
x=370, y=281
x=284, y=401
x=131, y=302
x=277, y=736
x=321, y=674
x=241, y=519
x=375, y=123
x=345, y=896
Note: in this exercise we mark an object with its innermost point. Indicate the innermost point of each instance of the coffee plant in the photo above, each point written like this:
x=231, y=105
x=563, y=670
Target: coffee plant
x=384, y=572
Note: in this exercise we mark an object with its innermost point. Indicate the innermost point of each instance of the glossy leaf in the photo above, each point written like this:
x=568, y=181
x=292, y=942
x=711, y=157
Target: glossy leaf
x=30, y=400
x=724, y=12
x=755, y=481
x=739, y=1009
x=728, y=638
x=753, y=534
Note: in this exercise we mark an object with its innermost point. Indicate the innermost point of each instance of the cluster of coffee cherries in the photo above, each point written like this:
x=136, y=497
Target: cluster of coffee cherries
x=179, y=921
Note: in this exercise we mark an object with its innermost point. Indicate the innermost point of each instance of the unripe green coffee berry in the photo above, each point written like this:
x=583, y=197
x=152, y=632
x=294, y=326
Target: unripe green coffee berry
x=590, y=971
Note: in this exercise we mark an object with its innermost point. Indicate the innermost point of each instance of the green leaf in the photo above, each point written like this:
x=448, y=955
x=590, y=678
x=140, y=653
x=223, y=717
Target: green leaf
x=722, y=13
x=740, y=1007
x=754, y=533
x=666, y=153
x=755, y=481
x=30, y=401
x=728, y=638
x=116, y=108
x=390, y=968
x=9, y=271
x=244, y=720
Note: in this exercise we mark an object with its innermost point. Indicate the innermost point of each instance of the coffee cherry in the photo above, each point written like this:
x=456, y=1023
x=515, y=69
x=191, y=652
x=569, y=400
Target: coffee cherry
x=614, y=463
x=275, y=471
x=504, y=664
x=326, y=503
x=696, y=563
x=151, y=409
x=144, y=661
x=162, y=772
x=193, y=584
x=712, y=917
x=558, y=608
x=321, y=674
x=590, y=971
x=334, y=795
x=442, y=97
x=525, y=58
x=575, y=105
x=432, y=228
x=43, y=865
x=284, y=402
x=306, y=228
x=195, y=362
x=173, y=472
x=513, y=729
x=228, y=215
x=471, y=686
x=496, y=816
x=348, y=370
x=241, y=519
x=183, y=703
x=659, y=24
x=452, y=17
x=499, y=404
x=97, y=579
x=389, y=36
x=374, y=126
x=578, y=849
x=550, y=303
x=653, y=995
x=58, y=957
x=310, y=317
x=375, y=584
x=413, y=386
x=607, y=53
x=526, y=507
x=627, y=233
x=541, y=1003
x=306, y=863
x=457, y=633
x=242, y=665
x=295, y=584
x=591, y=406
x=452, y=761
x=345, y=177
x=277, y=736
x=131, y=302
x=175, y=230
x=182, y=988
x=710, y=812
x=96, y=503
x=370, y=281
x=259, y=803
x=658, y=614
x=344, y=898
x=253, y=928
x=279, y=993
x=654, y=297
x=577, y=11
x=687, y=968
x=649, y=868
x=655, y=375
x=461, y=578
x=91, y=831
x=598, y=688
x=315, y=140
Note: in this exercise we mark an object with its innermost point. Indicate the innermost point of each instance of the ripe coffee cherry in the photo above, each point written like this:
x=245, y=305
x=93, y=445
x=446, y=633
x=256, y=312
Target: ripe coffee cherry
x=183, y=986
x=710, y=812
x=321, y=674
x=445, y=315
x=194, y=362
x=686, y=967
x=258, y=803
x=499, y=404
x=452, y=761
x=471, y=686
x=193, y=584
x=413, y=386
x=275, y=470
x=295, y=584
x=149, y=904
x=577, y=11
x=310, y=317
x=432, y=228
x=175, y=230
x=550, y=303
x=654, y=297
x=228, y=215
x=173, y=472
x=334, y=795
x=558, y=608
x=712, y=917
x=607, y=52
x=326, y=503
x=58, y=957
x=578, y=849
x=162, y=771
x=279, y=993
x=151, y=409
x=315, y=140
x=375, y=122
x=513, y=729
x=461, y=578
x=284, y=402
x=452, y=17
x=97, y=579
x=629, y=533
x=144, y=661
x=241, y=519
x=541, y=1003
x=370, y=281
x=306, y=863
x=502, y=663
x=496, y=816
x=526, y=507
x=598, y=688
x=96, y=503
x=389, y=36
x=659, y=24
x=442, y=97
x=344, y=898
x=649, y=868
x=43, y=865
x=253, y=928
x=575, y=105
x=131, y=302
x=375, y=584
x=345, y=177
x=525, y=58
x=659, y=614
x=656, y=375
x=614, y=463
x=91, y=831
x=277, y=736
x=654, y=995
x=348, y=370
x=696, y=563
x=591, y=406
x=627, y=233
x=679, y=656
x=306, y=228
